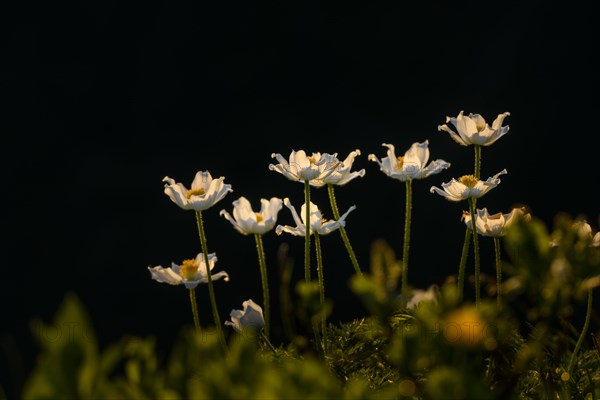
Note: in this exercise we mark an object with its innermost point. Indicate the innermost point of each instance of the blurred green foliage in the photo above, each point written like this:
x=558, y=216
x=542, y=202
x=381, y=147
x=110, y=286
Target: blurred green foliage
x=442, y=348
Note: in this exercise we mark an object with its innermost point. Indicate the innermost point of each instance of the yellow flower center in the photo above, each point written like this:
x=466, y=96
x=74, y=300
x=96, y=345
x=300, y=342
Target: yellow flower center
x=468, y=180
x=188, y=270
x=259, y=217
x=195, y=192
x=323, y=221
x=480, y=127
x=312, y=160
x=400, y=162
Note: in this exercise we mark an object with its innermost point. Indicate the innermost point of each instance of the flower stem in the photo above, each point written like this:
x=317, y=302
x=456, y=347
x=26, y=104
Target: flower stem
x=268, y=342
x=286, y=267
x=265, y=282
x=498, y=269
x=477, y=160
x=194, y=308
x=211, y=290
x=406, y=239
x=463, y=263
x=336, y=215
x=586, y=325
x=475, y=250
x=321, y=286
x=307, y=233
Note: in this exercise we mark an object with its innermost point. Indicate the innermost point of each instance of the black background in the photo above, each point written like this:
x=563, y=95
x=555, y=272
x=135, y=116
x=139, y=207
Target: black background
x=106, y=98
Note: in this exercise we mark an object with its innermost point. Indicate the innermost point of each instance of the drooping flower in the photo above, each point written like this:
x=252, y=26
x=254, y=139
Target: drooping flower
x=413, y=165
x=190, y=273
x=473, y=130
x=494, y=225
x=318, y=224
x=204, y=193
x=250, y=317
x=248, y=222
x=302, y=168
x=341, y=174
x=467, y=186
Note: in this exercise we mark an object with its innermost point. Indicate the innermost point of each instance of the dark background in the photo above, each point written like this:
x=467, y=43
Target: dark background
x=104, y=99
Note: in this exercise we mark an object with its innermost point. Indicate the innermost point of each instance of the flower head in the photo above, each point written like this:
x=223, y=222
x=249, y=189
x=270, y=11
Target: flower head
x=250, y=317
x=467, y=186
x=494, y=225
x=302, y=168
x=413, y=165
x=190, y=273
x=341, y=174
x=204, y=193
x=318, y=224
x=246, y=221
x=473, y=129
x=419, y=295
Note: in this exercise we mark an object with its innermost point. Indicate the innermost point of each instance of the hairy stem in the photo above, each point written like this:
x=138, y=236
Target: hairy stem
x=211, y=290
x=265, y=283
x=336, y=215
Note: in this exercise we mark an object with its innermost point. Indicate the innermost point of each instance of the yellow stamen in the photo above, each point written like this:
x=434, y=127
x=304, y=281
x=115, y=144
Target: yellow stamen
x=195, y=192
x=400, y=162
x=468, y=180
x=323, y=221
x=188, y=270
x=259, y=217
x=480, y=127
x=312, y=160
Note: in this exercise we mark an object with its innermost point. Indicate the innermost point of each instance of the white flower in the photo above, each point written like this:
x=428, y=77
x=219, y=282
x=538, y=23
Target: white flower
x=318, y=224
x=596, y=240
x=250, y=317
x=410, y=166
x=303, y=168
x=584, y=230
x=467, y=186
x=473, y=129
x=205, y=191
x=494, y=225
x=341, y=174
x=419, y=295
x=190, y=273
x=247, y=221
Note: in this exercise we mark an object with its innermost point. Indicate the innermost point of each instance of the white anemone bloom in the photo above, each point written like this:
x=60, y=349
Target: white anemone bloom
x=250, y=317
x=190, y=273
x=305, y=168
x=341, y=174
x=318, y=224
x=494, y=225
x=467, y=186
x=205, y=191
x=420, y=295
x=473, y=129
x=413, y=165
x=247, y=222
x=584, y=229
